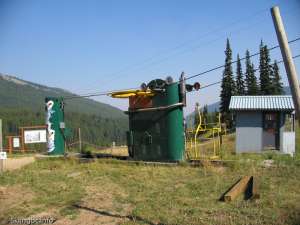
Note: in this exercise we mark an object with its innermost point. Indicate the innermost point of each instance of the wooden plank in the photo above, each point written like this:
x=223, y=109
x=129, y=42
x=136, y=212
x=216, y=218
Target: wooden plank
x=255, y=194
x=237, y=189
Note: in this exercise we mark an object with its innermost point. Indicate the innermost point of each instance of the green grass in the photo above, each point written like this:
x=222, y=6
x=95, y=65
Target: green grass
x=146, y=194
x=159, y=194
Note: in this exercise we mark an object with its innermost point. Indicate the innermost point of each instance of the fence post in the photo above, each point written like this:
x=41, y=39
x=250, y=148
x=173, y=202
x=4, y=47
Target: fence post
x=80, y=143
x=1, y=147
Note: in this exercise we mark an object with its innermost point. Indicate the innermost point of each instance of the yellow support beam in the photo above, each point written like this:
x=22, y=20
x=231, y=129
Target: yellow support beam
x=193, y=146
x=131, y=93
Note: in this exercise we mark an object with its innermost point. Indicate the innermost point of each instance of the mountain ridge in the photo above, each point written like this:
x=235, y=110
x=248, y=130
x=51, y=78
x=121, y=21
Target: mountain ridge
x=22, y=103
x=19, y=93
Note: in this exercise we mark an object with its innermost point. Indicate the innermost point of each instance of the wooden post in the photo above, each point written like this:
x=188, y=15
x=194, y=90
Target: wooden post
x=254, y=191
x=79, y=137
x=237, y=189
x=10, y=146
x=287, y=58
x=1, y=146
x=22, y=140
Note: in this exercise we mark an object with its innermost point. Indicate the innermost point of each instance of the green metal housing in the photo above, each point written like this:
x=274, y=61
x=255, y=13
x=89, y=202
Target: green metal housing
x=158, y=135
x=55, y=126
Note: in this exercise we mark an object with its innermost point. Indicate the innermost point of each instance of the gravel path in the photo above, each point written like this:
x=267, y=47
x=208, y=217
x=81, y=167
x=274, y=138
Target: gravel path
x=17, y=163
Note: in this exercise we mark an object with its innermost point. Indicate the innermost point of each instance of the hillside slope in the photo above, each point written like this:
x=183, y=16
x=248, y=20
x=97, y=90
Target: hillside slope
x=17, y=93
x=22, y=104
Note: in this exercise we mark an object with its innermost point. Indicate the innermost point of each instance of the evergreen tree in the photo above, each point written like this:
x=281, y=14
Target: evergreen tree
x=277, y=85
x=196, y=116
x=205, y=114
x=228, y=85
x=250, y=78
x=265, y=70
x=240, y=86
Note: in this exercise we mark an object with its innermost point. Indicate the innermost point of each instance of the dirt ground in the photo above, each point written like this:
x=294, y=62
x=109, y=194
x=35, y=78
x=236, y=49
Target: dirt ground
x=116, y=151
x=99, y=208
x=96, y=208
x=12, y=199
x=17, y=163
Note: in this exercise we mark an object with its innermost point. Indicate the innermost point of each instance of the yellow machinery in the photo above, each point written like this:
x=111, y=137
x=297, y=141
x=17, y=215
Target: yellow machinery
x=131, y=93
x=196, y=150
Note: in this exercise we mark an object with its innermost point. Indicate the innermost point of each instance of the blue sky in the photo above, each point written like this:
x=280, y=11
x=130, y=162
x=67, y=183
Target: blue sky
x=91, y=46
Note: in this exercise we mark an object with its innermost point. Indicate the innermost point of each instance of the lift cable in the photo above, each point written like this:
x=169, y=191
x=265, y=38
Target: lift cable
x=95, y=94
x=109, y=92
x=152, y=59
x=218, y=82
x=222, y=66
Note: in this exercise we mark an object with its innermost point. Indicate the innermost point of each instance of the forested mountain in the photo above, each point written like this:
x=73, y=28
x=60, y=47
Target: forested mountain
x=22, y=104
x=17, y=93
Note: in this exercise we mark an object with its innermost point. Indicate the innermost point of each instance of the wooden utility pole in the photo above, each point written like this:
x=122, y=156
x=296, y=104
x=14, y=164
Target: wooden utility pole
x=1, y=147
x=287, y=58
x=79, y=137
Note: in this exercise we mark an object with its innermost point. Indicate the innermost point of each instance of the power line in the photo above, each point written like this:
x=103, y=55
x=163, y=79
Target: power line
x=222, y=66
x=162, y=59
x=151, y=60
x=205, y=86
x=94, y=94
x=218, y=82
x=190, y=77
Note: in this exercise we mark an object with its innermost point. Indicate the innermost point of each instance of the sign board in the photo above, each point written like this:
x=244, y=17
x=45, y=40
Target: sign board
x=3, y=155
x=16, y=142
x=35, y=136
x=62, y=125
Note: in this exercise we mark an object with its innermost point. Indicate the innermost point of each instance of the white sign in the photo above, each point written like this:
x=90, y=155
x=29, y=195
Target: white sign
x=16, y=142
x=35, y=136
x=3, y=155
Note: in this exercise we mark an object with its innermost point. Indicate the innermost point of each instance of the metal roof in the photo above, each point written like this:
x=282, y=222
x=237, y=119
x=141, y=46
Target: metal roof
x=262, y=102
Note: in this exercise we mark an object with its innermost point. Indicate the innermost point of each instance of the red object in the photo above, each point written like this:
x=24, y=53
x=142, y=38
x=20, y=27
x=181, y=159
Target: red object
x=140, y=102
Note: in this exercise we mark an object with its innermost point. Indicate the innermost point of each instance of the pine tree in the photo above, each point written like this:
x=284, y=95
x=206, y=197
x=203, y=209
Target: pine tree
x=240, y=86
x=205, y=113
x=228, y=85
x=265, y=70
x=277, y=85
x=250, y=78
x=196, y=116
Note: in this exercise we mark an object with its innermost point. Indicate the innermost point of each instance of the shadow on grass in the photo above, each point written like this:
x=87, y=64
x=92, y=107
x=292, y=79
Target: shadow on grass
x=130, y=217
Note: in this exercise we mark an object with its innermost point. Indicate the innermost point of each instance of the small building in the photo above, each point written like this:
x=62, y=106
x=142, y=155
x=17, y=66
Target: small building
x=264, y=123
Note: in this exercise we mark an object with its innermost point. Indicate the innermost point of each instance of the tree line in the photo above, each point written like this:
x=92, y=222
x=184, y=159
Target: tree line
x=208, y=118
x=94, y=128
x=268, y=81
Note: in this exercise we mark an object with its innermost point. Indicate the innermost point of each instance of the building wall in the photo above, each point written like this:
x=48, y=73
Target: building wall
x=249, y=131
x=281, y=130
x=287, y=137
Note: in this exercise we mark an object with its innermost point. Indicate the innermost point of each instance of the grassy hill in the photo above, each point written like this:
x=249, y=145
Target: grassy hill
x=22, y=104
x=17, y=93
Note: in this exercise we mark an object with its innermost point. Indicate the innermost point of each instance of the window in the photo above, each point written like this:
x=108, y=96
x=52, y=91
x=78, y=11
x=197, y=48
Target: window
x=270, y=121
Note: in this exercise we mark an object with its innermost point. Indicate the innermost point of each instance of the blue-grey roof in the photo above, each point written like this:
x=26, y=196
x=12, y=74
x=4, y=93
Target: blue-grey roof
x=263, y=102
